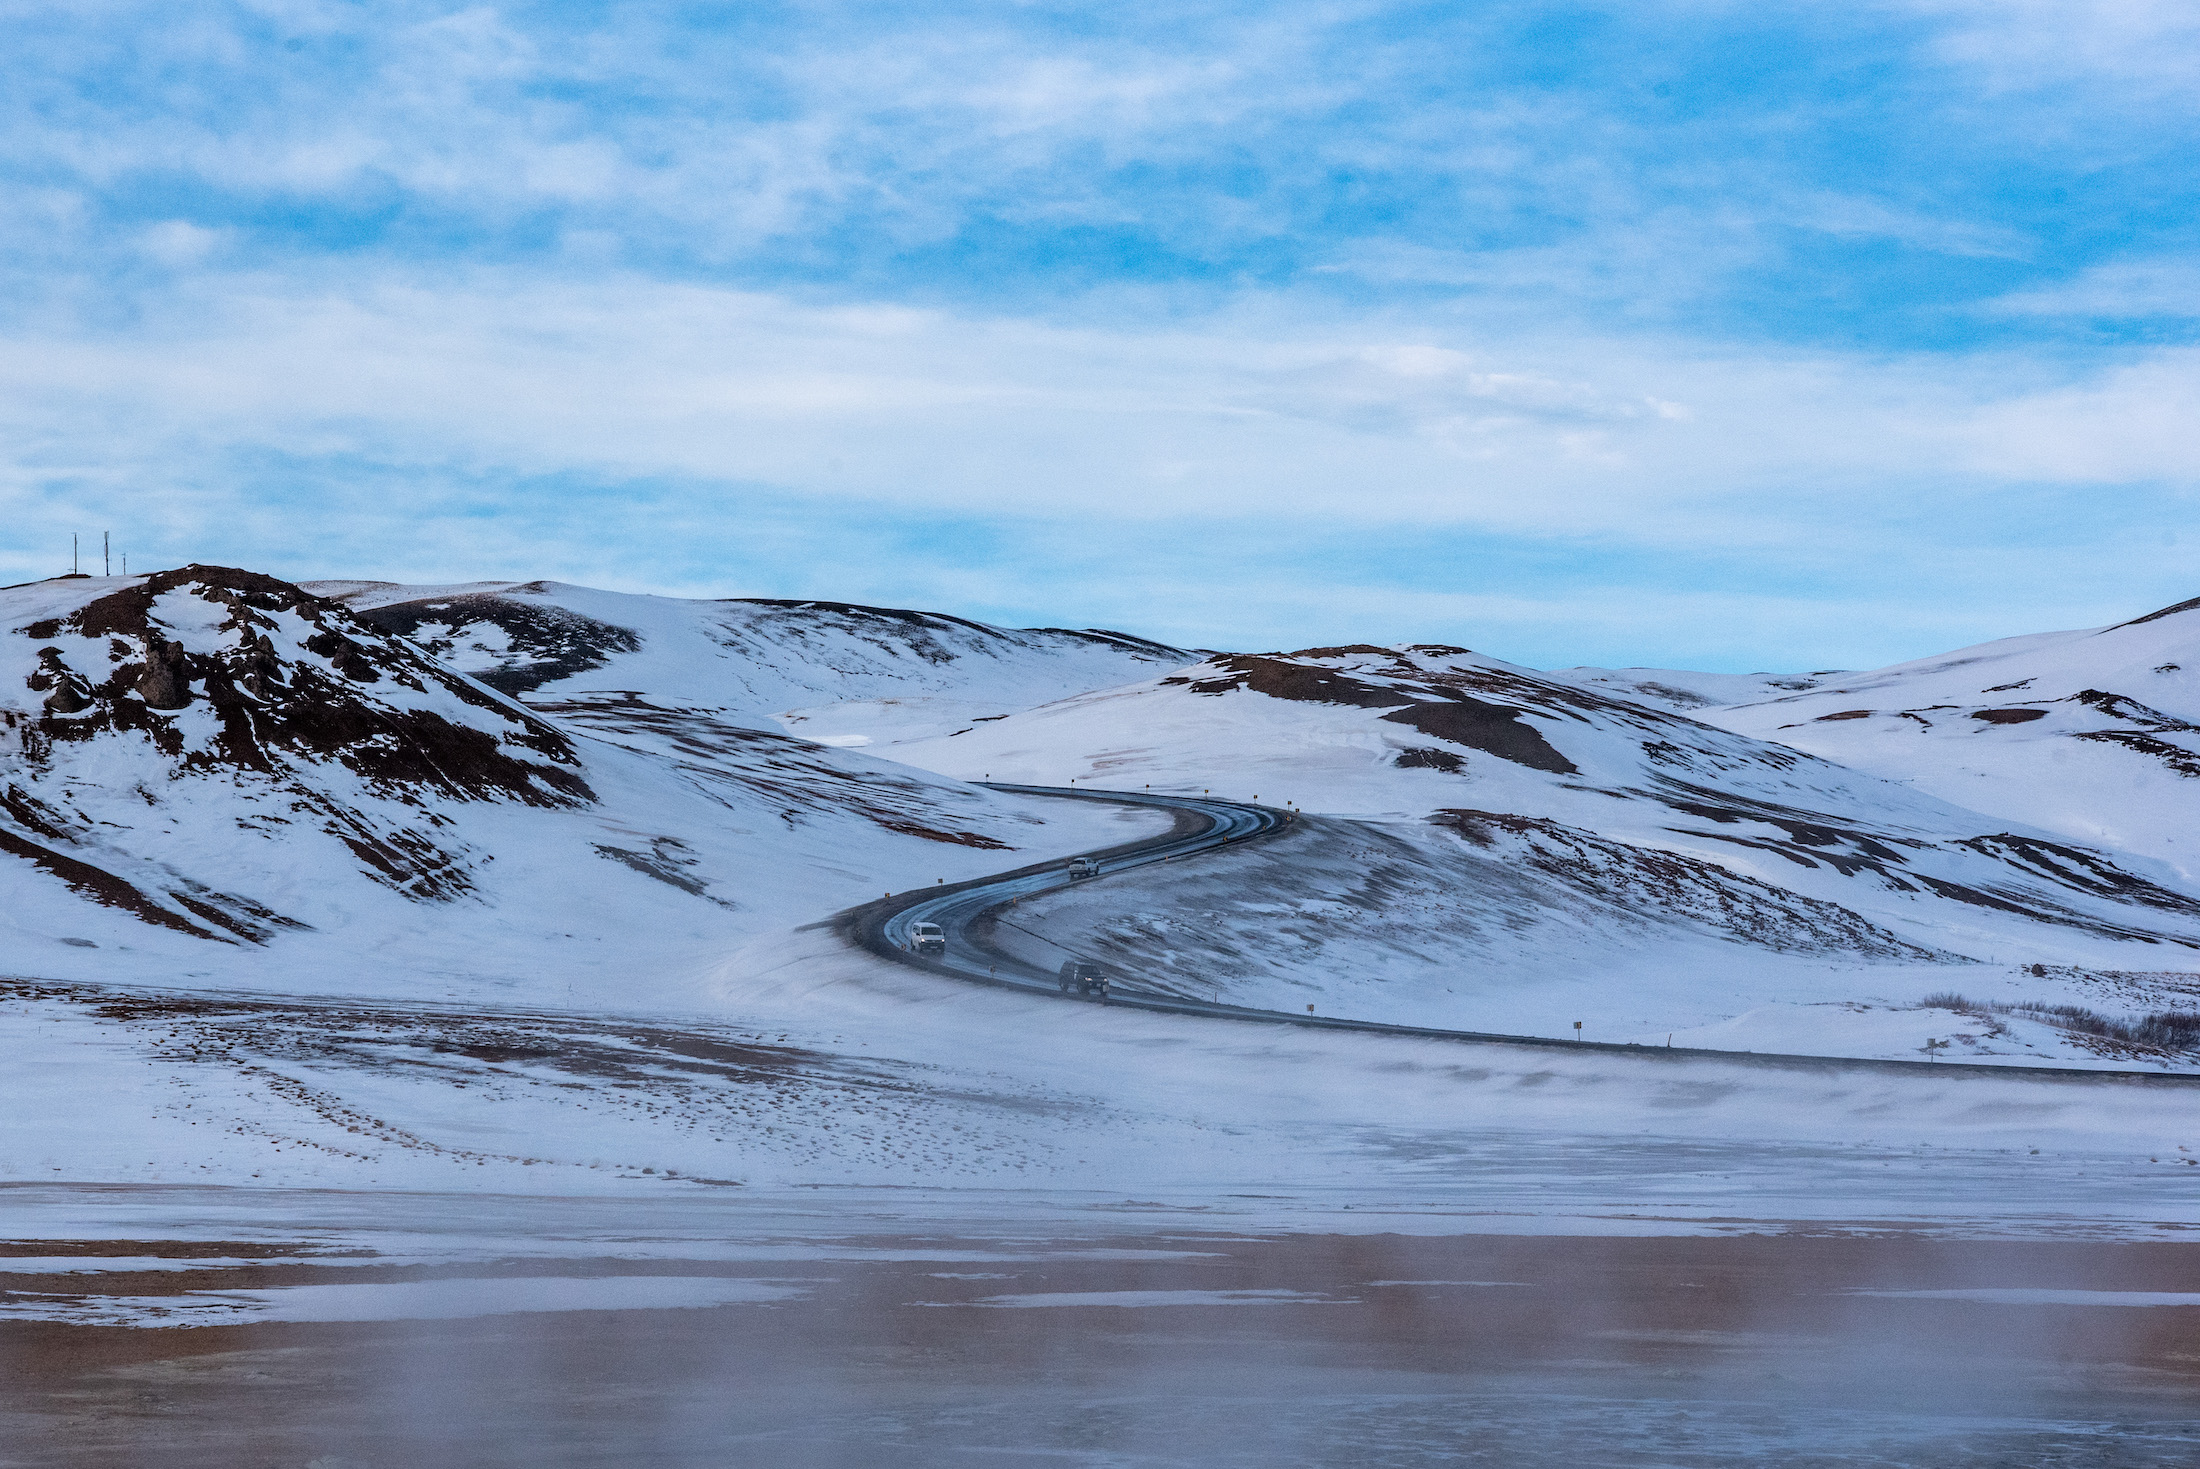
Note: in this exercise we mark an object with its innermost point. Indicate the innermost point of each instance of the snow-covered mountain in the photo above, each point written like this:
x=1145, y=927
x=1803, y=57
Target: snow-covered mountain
x=211, y=772
x=831, y=672
x=2093, y=735
x=1499, y=848
x=568, y=910
x=523, y=785
x=1685, y=692
x=1471, y=744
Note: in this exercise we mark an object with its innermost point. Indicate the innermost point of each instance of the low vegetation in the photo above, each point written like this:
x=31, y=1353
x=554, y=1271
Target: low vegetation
x=2167, y=1030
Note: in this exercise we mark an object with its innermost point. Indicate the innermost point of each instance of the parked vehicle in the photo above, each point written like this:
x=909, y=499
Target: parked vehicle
x=927, y=938
x=1083, y=977
x=1083, y=867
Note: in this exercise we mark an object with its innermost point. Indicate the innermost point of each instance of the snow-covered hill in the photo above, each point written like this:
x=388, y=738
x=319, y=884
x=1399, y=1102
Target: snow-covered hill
x=1684, y=692
x=545, y=788
x=828, y=671
x=1503, y=849
x=212, y=781
x=212, y=773
x=2093, y=735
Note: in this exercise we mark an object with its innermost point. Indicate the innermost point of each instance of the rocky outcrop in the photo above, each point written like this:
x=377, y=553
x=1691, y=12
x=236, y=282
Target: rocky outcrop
x=66, y=693
x=284, y=681
x=332, y=724
x=166, y=682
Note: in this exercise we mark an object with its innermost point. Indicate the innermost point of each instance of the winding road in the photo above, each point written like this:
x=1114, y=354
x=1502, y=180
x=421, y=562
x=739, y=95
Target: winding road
x=967, y=912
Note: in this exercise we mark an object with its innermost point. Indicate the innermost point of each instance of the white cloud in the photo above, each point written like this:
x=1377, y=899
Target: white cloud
x=2130, y=423
x=1276, y=403
x=178, y=242
x=2126, y=290
x=1182, y=478
x=1551, y=310
x=2149, y=48
x=1859, y=217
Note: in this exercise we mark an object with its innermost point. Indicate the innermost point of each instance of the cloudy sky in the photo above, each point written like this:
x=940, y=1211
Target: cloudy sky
x=1729, y=335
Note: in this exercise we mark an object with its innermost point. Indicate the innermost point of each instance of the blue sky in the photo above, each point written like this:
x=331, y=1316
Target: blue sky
x=1720, y=335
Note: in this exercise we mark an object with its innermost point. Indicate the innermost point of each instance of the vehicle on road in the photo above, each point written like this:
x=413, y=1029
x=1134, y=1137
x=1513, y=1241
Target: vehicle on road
x=927, y=938
x=1083, y=867
x=1083, y=977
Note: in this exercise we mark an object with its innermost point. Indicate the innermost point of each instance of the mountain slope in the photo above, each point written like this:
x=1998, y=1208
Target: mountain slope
x=830, y=671
x=2093, y=735
x=1495, y=838
x=216, y=771
x=1682, y=691
x=217, y=774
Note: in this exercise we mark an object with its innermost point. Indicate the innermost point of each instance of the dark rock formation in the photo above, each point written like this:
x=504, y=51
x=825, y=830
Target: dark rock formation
x=166, y=682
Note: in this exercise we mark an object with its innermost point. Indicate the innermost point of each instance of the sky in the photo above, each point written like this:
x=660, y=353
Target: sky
x=1668, y=333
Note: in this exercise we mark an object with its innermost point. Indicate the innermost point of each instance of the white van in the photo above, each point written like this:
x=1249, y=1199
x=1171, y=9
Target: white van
x=927, y=938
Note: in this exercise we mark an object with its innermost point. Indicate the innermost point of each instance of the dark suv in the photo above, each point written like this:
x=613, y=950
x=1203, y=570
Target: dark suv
x=1083, y=977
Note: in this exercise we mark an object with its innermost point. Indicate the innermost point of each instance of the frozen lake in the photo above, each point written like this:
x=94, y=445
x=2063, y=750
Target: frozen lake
x=906, y=1327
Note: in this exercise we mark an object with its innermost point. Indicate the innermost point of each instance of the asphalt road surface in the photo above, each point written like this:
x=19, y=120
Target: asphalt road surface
x=967, y=910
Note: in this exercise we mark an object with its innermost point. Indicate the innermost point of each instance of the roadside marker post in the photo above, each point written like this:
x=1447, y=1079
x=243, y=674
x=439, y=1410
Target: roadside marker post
x=1577, y=1030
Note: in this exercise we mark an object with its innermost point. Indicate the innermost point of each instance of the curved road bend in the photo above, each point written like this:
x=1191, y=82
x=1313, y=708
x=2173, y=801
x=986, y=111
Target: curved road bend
x=1205, y=824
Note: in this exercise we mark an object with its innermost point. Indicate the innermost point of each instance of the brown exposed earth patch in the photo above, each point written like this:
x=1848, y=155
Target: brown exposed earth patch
x=1490, y=728
x=2119, y=706
x=931, y=834
x=1348, y=650
x=269, y=708
x=100, y=885
x=547, y=643
x=1813, y=840
x=1279, y=678
x=1444, y=712
x=659, y=865
x=2181, y=760
x=2077, y=868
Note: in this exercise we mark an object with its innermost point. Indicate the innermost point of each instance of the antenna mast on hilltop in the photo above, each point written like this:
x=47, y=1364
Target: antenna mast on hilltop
x=72, y=553
x=106, y=555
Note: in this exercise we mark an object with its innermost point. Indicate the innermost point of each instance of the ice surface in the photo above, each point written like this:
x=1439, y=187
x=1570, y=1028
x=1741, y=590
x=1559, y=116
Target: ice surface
x=427, y=1300
x=1128, y=1298
x=2034, y=1296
